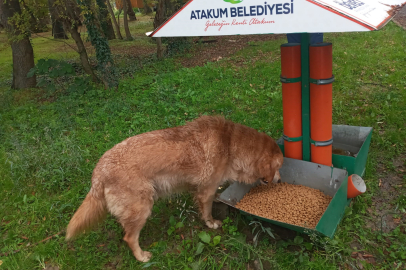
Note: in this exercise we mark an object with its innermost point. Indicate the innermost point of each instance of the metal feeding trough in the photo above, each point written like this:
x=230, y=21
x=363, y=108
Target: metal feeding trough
x=350, y=148
x=331, y=181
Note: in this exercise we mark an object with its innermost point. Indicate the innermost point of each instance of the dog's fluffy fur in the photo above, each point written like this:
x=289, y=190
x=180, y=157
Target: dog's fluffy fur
x=197, y=157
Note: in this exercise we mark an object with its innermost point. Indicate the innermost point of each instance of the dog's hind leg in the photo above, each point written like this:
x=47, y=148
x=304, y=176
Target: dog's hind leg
x=133, y=218
x=204, y=198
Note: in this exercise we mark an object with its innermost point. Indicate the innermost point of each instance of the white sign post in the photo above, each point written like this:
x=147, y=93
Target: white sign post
x=246, y=17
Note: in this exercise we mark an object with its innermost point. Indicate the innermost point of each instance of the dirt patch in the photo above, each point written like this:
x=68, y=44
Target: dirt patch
x=136, y=50
x=217, y=48
x=400, y=18
x=51, y=267
x=385, y=215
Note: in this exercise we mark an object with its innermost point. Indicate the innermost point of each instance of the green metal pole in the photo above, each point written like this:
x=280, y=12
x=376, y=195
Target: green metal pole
x=304, y=45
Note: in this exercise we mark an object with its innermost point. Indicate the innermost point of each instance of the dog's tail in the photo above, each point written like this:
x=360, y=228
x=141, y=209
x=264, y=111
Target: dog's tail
x=92, y=211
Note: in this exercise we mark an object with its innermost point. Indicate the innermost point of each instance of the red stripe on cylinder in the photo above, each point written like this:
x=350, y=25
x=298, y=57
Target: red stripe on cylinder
x=321, y=102
x=292, y=99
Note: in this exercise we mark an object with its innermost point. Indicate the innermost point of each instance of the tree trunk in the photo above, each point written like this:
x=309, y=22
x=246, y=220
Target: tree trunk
x=127, y=29
x=57, y=30
x=158, y=20
x=82, y=51
x=130, y=10
x=57, y=25
x=110, y=30
x=23, y=62
x=116, y=26
x=105, y=21
x=160, y=49
x=160, y=14
x=118, y=17
x=23, y=54
x=33, y=21
x=147, y=8
x=69, y=13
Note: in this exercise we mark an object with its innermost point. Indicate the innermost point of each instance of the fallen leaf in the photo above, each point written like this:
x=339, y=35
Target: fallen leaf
x=45, y=218
x=354, y=254
x=102, y=245
x=24, y=237
x=182, y=236
x=367, y=256
x=371, y=261
x=1, y=262
x=396, y=220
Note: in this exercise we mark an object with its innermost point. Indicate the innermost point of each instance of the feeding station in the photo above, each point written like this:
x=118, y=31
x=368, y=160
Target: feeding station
x=317, y=154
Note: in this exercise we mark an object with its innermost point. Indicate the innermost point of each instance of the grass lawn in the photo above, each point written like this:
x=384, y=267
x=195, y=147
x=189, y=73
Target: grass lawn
x=51, y=143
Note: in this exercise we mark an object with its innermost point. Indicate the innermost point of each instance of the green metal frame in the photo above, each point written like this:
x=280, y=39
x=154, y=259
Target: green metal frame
x=331, y=218
x=304, y=47
x=334, y=213
x=290, y=80
x=328, y=223
x=351, y=164
x=354, y=165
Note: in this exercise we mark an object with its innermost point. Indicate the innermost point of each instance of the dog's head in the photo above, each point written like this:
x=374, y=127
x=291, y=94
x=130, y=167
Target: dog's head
x=269, y=165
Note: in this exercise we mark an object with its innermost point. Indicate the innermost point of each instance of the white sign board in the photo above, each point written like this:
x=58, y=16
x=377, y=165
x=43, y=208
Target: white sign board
x=245, y=17
x=374, y=13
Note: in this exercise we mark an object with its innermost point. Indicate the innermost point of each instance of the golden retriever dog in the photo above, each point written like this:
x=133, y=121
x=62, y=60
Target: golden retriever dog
x=197, y=157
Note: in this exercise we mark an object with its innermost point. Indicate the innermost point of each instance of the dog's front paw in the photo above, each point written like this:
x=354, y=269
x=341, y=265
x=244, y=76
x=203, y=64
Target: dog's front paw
x=144, y=256
x=214, y=224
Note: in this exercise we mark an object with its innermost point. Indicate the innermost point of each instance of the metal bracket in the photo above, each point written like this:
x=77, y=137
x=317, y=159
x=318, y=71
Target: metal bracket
x=290, y=80
x=296, y=139
x=322, y=81
x=321, y=143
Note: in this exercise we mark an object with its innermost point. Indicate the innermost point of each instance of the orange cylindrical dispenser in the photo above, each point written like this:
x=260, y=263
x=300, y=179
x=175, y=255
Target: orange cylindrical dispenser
x=321, y=102
x=292, y=100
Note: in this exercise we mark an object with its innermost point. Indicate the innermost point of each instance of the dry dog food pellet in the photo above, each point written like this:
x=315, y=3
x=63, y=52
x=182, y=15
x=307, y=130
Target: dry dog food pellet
x=294, y=204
